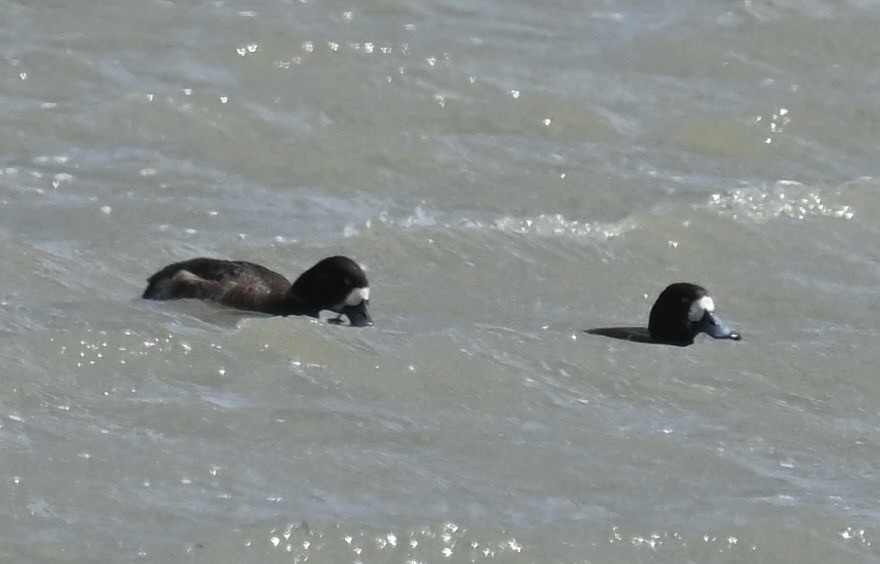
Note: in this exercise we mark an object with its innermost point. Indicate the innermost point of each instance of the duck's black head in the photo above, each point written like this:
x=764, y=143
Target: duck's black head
x=337, y=284
x=681, y=312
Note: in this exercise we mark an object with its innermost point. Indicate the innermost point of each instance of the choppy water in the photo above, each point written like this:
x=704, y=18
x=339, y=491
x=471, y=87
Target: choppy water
x=510, y=173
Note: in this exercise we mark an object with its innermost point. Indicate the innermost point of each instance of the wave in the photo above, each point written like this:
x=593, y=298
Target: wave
x=543, y=225
x=786, y=198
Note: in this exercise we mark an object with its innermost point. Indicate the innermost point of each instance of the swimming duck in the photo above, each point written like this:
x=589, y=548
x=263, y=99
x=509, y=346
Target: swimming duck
x=681, y=312
x=335, y=283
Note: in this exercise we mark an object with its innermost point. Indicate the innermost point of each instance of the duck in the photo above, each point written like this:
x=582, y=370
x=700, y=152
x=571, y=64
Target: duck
x=336, y=284
x=682, y=311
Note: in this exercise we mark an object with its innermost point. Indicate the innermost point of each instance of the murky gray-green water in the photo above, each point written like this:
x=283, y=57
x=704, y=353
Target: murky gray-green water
x=510, y=173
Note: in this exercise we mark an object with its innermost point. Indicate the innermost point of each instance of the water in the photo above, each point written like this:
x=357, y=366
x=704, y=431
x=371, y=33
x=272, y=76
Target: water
x=510, y=174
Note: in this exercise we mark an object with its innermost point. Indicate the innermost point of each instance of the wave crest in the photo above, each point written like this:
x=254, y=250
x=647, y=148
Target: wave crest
x=542, y=225
x=787, y=198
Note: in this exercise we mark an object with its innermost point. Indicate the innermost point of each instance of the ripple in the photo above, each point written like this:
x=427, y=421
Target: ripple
x=786, y=198
x=541, y=225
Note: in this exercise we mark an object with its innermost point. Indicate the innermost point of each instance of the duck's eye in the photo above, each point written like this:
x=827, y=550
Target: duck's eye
x=348, y=282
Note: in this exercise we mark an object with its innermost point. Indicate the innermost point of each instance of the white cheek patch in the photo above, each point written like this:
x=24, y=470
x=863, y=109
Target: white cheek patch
x=700, y=307
x=357, y=296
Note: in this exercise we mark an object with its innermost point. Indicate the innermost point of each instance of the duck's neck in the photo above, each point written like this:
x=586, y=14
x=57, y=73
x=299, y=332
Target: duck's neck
x=291, y=304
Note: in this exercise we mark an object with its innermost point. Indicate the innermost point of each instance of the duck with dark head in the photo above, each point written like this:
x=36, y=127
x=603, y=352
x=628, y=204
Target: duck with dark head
x=334, y=284
x=682, y=311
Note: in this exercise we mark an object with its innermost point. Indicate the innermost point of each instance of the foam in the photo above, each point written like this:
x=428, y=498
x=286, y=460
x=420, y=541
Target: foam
x=786, y=198
x=543, y=225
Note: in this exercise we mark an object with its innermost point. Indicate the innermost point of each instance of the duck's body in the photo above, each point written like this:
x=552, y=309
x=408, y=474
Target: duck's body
x=681, y=312
x=336, y=283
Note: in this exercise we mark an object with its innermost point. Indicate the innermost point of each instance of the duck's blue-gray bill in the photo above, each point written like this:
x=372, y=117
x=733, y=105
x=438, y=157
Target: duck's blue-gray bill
x=358, y=315
x=716, y=328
